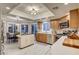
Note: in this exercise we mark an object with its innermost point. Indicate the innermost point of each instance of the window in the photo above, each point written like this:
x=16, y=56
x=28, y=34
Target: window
x=46, y=26
x=12, y=28
x=24, y=28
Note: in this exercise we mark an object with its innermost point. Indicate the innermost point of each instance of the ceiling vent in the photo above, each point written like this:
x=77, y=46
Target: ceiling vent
x=55, y=8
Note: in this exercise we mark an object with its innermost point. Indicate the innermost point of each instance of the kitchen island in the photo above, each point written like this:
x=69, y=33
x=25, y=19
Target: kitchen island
x=45, y=38
x=25, y=40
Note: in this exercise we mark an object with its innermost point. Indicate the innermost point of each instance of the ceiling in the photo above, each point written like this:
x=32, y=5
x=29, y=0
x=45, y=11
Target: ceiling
x=25, y=7
x=60, y=9
x=23, y=10
x=54, y=10
x=4, y=5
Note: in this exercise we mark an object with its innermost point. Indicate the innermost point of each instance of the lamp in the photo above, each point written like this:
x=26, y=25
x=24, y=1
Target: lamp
x=33, y=10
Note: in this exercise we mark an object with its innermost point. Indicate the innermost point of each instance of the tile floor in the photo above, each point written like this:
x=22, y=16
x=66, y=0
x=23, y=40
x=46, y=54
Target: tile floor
x=41, y=49
x=36, y=49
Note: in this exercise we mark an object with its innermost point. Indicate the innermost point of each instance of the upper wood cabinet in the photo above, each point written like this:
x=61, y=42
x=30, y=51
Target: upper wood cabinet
x=74, y=18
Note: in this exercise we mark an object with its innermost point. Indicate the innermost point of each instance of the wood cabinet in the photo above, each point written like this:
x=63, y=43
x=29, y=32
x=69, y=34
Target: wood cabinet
x=41, y=37
x=74, y=18
x=55, y=24
x=46, y=38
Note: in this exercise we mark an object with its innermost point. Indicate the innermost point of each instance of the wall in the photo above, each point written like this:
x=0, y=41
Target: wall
x=55, y=22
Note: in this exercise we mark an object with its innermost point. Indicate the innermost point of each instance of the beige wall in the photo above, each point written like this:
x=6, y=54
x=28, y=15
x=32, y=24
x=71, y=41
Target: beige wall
x=55, y=22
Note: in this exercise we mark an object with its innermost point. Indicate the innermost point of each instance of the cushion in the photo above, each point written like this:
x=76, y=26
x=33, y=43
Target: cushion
x=71, y=43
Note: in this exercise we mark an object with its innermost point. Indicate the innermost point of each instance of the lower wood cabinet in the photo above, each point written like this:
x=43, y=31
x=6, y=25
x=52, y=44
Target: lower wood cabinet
x=41, y=37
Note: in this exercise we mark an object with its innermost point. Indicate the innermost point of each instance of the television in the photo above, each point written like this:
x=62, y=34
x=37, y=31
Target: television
x=64, y=24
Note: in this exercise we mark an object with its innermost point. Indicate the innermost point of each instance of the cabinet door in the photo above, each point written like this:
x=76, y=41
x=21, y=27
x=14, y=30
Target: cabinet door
x=74, y=18
x=37, y=37
x=42, y=37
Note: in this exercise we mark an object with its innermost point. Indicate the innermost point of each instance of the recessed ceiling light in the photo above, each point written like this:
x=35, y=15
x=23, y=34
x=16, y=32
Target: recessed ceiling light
x=7, y=8
x=55, y=8
x=65, y=3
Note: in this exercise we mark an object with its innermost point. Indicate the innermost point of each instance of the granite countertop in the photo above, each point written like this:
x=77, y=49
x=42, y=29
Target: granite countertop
x=44, y=32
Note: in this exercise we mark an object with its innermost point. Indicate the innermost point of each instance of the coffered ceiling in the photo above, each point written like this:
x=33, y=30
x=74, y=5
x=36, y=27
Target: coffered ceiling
x=23, y=10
